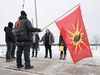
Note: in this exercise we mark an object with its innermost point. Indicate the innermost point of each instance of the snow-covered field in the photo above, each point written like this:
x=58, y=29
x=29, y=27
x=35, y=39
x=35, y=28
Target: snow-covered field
x=56, y=53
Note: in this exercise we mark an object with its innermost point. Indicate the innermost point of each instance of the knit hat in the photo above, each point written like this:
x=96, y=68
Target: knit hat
x=10, y=24
x=23, y=13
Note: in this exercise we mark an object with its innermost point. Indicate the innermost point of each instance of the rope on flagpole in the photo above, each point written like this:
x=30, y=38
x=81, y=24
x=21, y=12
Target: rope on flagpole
x=60, y=16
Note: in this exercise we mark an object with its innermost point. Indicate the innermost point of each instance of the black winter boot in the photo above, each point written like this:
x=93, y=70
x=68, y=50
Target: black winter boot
x=36, y=55
x=28, y=67
x=32, y=54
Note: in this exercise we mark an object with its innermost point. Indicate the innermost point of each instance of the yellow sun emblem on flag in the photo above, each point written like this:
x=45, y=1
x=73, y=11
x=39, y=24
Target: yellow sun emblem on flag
x=76, y=37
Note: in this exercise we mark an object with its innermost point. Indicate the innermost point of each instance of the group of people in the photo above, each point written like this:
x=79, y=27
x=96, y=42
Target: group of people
x=47, y=39
x=25, y=36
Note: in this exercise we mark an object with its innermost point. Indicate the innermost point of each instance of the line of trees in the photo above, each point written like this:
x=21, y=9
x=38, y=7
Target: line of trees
x=96, y=40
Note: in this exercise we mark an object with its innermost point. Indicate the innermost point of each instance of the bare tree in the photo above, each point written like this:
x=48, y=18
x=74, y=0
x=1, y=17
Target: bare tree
x=96, y=40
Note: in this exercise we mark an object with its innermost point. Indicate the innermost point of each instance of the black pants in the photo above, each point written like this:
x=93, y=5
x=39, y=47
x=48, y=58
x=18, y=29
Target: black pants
x=64, y=51
x=34, y=47
x=26, y=47
x=13, y=50
x=47, y=46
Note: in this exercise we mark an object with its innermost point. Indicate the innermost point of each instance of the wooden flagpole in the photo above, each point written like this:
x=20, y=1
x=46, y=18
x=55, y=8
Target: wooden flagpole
x=61, y=16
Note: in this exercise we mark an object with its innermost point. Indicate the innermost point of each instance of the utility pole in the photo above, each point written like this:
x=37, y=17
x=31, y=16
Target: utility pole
x=32, y=22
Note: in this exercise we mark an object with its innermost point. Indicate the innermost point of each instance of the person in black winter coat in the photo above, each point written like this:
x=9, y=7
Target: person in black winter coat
x=35, y=44
x=48, y=39
x=9, y=37
x=62, y=43
x=23, y=36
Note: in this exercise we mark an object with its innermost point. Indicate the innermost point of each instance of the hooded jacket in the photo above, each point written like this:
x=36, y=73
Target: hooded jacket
x=9, y=37
x=23, y=33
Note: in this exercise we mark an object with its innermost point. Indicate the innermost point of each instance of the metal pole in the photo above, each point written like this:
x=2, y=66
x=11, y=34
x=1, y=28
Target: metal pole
x=32, y=22
x=36, y=14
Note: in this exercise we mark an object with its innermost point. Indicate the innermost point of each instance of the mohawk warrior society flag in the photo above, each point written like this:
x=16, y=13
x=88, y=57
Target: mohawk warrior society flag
x=74, y=34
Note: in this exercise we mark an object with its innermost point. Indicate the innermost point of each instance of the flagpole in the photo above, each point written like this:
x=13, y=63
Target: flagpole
x=32, y=22
x=36, y=14
x=61, y=16
x=23, y=5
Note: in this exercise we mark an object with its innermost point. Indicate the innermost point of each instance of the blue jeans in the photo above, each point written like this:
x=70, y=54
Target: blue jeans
x=9, y=49
x=26, y=47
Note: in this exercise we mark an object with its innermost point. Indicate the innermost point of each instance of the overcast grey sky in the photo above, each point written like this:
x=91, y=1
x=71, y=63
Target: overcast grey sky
x=48, y=11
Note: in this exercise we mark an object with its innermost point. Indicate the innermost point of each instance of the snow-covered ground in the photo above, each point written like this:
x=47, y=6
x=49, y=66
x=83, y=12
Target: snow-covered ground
x=54, y=66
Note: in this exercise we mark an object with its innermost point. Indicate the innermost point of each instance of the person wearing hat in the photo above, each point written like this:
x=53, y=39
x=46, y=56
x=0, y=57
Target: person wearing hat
x=23, y=36
x=9, y=37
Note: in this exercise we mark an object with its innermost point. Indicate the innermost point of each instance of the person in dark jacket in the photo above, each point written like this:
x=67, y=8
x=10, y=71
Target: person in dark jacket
x=23, y=31
x=62, y=43
x=9, y=41
x=48, y=39
x=36, y=40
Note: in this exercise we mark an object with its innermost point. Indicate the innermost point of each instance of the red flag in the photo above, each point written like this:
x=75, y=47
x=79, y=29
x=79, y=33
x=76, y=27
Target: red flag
x=74, y=34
